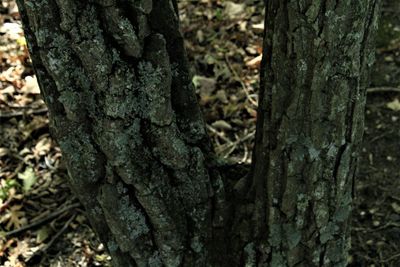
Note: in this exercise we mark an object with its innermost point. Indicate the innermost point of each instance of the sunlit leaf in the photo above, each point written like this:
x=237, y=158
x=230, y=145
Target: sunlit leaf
x=394, y=105
x=28, y=178
x=396, y=207
x=21, y=41
x=42, y=234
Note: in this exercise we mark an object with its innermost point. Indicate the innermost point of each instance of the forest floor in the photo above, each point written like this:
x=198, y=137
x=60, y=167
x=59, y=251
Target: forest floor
x=42, y=224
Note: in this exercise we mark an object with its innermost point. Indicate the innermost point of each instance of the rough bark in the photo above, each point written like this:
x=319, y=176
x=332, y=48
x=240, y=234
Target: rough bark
x=115, y=77
x=313, y=90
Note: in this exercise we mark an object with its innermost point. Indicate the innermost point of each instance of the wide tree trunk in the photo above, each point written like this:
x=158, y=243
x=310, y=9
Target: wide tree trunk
x=116, y=80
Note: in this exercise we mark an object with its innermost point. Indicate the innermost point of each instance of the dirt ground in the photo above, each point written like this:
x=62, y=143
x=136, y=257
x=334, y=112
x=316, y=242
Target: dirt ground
x=42, y=224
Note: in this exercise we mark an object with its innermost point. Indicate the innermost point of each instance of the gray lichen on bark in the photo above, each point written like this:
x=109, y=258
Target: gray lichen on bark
x=311, y=123
x=115, y=77
x=107, y=77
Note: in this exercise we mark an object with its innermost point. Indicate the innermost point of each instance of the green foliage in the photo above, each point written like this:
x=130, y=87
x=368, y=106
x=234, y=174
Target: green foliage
x=5, y=188
x=218, y=14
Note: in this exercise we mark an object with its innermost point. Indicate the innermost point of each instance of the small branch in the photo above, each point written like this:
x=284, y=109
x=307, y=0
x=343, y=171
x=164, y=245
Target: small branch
x=22, y=113
x=244, y=138
x=219, y=134
x=62, y=230
x=391, y=258
x=43, y=220
x=55, y=237
x=383, y=89
x=390, y=48
x=245, y=89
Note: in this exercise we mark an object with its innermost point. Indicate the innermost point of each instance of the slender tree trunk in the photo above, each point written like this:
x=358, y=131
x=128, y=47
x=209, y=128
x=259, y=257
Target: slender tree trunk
x=115, y=77
x=310, y=125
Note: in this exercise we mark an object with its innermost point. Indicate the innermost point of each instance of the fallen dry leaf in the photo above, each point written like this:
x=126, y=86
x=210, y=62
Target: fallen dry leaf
x=259, y=27
x=255, y=62
x=31, y=86
x=394, y=105
x=233, y=10
x=396, y=207
x=221, y=125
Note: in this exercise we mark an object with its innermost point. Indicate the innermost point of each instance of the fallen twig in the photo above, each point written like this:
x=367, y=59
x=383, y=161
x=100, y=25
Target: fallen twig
x=43, y=220
x=384, y=89
x=22, y=113
x=245, y=89
x=390, y=48
x=219, y=134
x=391, y=258
x=55, y=237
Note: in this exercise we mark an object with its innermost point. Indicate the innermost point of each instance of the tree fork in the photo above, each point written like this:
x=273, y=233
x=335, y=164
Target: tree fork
x=115, y=77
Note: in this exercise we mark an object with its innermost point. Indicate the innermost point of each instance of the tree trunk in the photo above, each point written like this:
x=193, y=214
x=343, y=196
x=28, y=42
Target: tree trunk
x=310, y=125
x=115, y=77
